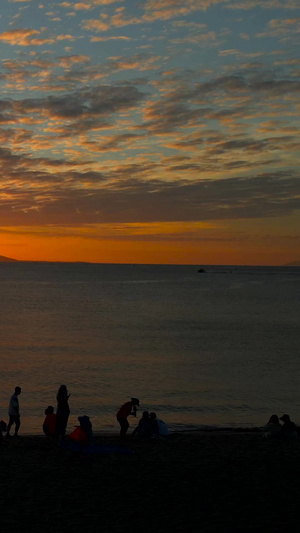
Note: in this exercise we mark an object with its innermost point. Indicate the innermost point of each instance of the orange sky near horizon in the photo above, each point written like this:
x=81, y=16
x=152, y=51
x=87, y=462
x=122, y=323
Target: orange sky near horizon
x=207, y=245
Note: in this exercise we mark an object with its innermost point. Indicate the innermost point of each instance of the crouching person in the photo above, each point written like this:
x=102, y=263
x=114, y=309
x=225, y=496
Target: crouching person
x=83, y=434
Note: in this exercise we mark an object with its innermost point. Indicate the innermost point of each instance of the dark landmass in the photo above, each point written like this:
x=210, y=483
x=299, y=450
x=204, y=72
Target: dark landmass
x=7, y=259
x=294, y=264
x=201, y=482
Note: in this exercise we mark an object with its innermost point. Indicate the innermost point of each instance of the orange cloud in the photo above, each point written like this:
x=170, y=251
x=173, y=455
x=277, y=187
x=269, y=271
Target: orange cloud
x=113, y=38
x=23, y=37
x=82, y=6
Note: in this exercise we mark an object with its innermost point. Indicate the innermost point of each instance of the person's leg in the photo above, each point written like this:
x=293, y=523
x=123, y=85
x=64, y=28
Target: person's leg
x=61, y=424
x=58, y=426
x=10, y=423
x=124, y=427
x=18, y=423
x=64, y=423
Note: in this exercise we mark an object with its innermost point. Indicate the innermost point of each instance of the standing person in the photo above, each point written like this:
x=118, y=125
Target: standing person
x=14, y=412
x=62, y=412
x=128, y=408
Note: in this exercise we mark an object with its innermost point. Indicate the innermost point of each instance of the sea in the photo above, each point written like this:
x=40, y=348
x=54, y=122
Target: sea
x=217, y=349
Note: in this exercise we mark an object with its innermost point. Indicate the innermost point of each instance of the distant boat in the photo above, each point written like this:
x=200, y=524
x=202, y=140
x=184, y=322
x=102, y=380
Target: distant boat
x=201, y=270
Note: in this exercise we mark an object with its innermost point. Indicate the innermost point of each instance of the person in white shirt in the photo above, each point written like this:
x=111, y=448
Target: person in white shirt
x=14, y=412
x=162, y=428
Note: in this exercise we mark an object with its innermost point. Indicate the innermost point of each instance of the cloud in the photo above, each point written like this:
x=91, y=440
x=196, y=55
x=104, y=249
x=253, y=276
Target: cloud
x=212, y=141
x=102, y=3
x=163, y=10
x=82, y=6
x=263, y=4
x=112, y=38
x=112, y=143
x=98, y=101
x=99, y=119
x=281, y=28
x=95, y=25
x=150, y=11
x=42, y=191
x=24, y=37
x=68, y=61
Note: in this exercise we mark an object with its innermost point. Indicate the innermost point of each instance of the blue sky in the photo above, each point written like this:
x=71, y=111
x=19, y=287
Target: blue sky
x=162, y=125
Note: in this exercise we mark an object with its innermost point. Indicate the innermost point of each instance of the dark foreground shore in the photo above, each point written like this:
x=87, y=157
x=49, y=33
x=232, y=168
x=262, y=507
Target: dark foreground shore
x=192, y=482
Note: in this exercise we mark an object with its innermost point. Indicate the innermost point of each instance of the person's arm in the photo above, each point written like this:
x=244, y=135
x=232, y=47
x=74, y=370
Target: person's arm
x=134, y=410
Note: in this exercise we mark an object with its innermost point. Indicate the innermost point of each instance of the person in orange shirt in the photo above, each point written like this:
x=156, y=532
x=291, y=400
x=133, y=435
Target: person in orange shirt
x=83, y=434
x=128, y=408
x=49, y=424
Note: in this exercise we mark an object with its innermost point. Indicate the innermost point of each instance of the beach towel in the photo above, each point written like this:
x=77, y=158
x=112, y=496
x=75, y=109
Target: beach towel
x=74, y=446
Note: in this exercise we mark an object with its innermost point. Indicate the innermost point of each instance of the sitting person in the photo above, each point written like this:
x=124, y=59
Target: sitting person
x=273, y=429
x=86, y=426
x=83, y=434
x=289, y=429
x=162, y=428
x=49, y=422
x=3, y=428
x=145, y=428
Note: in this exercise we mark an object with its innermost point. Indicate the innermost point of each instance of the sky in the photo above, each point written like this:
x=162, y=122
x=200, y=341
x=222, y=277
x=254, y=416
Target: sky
x=152, y=131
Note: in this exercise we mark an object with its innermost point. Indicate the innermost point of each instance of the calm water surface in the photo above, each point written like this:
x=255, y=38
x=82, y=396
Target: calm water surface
x=213, y=349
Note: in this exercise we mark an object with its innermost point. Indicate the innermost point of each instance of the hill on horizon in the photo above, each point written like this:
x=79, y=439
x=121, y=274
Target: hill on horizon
x=3, y=258
x=293, y=264
x=7, y=259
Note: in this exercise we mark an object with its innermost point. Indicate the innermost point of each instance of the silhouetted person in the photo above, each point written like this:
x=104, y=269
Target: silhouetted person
x=83, y=434
x=62, y=411
x=145, y=428
x=14, y=412
x=128, y=408
x=161, y=426
x=273, y=429
x=86, y=426
x=289, y=429
x=49, y=425
x=3, y=428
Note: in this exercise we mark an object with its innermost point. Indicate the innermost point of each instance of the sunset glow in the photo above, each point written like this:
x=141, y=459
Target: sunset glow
x=150, y=132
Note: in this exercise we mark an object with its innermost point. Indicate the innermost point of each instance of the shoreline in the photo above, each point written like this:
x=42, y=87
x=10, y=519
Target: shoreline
x=111, y=434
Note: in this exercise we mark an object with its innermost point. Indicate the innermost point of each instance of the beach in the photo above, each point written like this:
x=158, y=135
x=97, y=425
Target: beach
x=210, y=481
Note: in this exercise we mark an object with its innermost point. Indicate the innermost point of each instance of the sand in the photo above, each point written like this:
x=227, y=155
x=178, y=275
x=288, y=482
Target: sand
x=191, y=482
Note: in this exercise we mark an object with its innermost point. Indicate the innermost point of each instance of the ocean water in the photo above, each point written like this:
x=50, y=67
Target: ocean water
x=213, y=349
